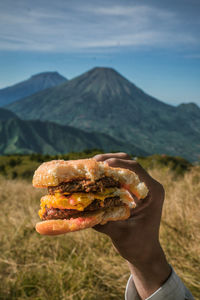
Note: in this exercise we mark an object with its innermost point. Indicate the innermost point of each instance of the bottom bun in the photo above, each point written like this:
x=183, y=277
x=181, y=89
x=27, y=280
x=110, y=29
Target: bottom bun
x=55, y=227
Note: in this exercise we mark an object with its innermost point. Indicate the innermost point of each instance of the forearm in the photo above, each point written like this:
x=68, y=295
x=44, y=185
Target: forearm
x=150, y=273
x=136, y=239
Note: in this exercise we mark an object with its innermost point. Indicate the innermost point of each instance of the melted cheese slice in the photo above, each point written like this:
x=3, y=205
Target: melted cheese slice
x=79, y=201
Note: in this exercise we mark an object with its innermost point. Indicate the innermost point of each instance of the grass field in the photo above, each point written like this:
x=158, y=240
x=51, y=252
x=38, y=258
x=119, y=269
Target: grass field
x=84, y=265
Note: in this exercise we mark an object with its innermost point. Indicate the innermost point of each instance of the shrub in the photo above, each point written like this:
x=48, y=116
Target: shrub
x=14, y=174
x=15, y=161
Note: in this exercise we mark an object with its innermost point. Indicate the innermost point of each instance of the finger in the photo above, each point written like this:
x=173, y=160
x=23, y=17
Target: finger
x=133, y=166
x=120, y=155
x=102, y=228
x=111, y=228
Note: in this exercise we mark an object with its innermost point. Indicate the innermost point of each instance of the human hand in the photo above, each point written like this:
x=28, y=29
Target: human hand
x=137, y=238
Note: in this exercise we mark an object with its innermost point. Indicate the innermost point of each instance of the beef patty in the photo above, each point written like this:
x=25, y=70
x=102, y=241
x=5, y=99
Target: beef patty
x=56, y=213
x=84, y=185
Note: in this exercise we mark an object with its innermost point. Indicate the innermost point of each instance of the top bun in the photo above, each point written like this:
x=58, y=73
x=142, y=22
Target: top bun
x=54, y=172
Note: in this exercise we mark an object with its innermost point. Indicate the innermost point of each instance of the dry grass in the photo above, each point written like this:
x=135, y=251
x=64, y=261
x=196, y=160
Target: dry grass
x=83, y=265
x=180, y=235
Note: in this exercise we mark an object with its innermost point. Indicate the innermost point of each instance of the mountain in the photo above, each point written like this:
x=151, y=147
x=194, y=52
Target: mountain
x=30, y=86
x=102, y=100
x=18, y=136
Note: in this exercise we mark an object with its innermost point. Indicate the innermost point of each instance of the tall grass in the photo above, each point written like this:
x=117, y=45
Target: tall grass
x=180, y=234
x=84, y=265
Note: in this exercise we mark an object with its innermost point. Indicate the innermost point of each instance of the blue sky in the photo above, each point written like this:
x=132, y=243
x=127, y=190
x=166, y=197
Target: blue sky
x=155, y=44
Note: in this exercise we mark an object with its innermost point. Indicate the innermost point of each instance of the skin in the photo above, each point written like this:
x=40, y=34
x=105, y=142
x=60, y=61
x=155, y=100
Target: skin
x=137, y=238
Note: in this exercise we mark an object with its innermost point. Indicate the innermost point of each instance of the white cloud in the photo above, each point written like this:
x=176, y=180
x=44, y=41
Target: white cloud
x=128, y=11
x=63, y=27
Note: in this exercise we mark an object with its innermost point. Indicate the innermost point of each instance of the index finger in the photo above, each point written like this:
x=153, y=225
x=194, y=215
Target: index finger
x=120, y=155
x=133, y=166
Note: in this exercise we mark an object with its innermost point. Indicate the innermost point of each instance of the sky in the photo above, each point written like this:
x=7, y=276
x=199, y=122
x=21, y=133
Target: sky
x=155, y=44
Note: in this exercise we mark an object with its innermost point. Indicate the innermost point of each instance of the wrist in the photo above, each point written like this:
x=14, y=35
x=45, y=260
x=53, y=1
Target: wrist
x=139, y=254
x=149, y=274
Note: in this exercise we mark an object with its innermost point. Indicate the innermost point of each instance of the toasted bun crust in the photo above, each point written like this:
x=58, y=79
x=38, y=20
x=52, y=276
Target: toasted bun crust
x=55, y=227
x=54, y=172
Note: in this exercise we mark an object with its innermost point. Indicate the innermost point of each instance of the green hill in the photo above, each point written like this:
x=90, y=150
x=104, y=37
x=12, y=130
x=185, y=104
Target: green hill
x=6, y=114
x=18, y=136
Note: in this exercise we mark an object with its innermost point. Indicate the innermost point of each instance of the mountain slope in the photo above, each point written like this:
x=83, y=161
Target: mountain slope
x=104, y=101
x=30, y=86
x=190, y=111
x=18, y=136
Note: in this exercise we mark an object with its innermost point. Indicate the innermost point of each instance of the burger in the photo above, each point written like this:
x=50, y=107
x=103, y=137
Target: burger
x=83, y=193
